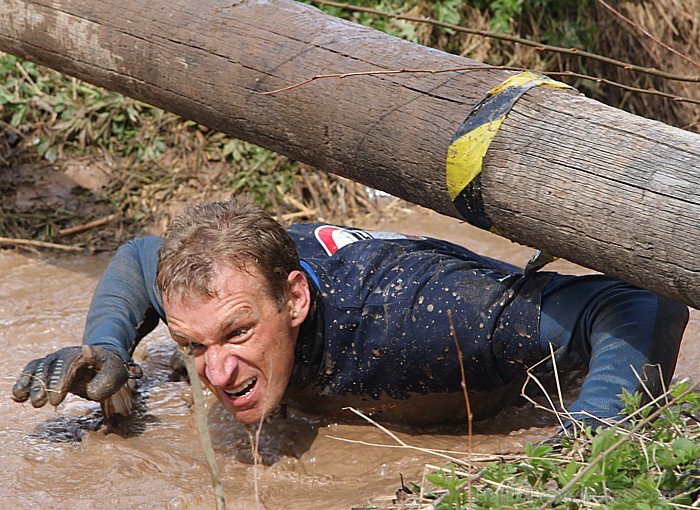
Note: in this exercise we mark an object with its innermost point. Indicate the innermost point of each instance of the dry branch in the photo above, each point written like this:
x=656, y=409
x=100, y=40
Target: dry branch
x=38, y=244
x=87, y=226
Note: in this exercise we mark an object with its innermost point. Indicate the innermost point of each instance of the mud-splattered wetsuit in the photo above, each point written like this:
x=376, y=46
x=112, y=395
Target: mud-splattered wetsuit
x=379, y=334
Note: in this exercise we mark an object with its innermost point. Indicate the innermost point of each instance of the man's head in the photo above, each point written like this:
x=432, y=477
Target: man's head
x=235, y=234
x=232, y=287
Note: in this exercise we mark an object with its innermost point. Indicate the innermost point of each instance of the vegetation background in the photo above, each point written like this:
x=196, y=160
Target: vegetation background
x=72, y=154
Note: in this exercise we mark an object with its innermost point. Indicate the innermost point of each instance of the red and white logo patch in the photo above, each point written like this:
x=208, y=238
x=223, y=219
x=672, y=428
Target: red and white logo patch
x=333, y=238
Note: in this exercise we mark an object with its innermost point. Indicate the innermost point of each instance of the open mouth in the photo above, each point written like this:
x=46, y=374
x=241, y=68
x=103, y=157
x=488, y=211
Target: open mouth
x=242, y=389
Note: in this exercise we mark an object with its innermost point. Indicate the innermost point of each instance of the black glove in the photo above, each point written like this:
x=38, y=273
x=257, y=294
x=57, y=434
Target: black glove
x=89, y=371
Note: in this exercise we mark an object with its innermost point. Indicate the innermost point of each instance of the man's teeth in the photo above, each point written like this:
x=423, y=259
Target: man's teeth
x=243, y=388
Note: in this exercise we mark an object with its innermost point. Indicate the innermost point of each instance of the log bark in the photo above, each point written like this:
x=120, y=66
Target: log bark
x=593, y=184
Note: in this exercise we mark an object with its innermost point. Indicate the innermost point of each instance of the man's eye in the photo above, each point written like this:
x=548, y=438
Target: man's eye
x=238, y=334
x=197, y=348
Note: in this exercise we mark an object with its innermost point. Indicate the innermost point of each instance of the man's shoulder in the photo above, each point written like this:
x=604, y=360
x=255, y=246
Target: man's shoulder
x=329, y=239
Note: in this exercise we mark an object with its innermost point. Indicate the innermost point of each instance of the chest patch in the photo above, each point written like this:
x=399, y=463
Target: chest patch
x=333, y=238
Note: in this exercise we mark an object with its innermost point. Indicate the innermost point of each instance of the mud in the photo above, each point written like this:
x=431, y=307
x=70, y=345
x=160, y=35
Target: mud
x=65, y=459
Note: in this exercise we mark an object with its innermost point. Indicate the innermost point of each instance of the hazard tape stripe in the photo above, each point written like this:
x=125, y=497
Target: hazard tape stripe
x=472, y=140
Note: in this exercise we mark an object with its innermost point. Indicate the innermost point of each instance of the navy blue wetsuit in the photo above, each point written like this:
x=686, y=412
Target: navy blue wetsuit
x=379, y=335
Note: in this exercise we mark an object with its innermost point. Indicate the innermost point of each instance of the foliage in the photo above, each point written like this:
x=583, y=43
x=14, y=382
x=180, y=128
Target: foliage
x=154, y=155
x=566, y=23
x=56, y=114
x=389, y=25
x=584, y=25
x=59, y=113
x=645, y=464
x=156, y=162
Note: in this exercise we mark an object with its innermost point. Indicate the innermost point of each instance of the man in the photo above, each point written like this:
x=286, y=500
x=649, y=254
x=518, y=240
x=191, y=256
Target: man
x=323, y=317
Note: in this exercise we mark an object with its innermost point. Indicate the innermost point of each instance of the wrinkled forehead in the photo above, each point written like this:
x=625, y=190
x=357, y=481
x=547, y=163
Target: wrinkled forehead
x=220, y=280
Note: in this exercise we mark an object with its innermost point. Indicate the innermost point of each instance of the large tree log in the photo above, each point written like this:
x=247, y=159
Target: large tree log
x=606, y=189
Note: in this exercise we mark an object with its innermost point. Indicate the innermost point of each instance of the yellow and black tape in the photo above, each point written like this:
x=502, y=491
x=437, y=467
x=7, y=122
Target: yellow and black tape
x=469, y=145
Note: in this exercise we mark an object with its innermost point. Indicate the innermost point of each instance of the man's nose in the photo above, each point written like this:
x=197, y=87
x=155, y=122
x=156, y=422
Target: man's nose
x=219, y=366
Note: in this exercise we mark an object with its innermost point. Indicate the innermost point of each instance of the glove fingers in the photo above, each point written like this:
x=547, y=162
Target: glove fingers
x=111, y=377
x=91, y=372
x=22, y=387
x=62, y=372
x=38, y=387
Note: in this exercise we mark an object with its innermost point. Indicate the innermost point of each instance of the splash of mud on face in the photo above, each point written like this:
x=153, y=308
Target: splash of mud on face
x=66, y=459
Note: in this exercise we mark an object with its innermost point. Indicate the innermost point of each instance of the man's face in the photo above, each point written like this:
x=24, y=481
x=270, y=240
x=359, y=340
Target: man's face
x=243, y=341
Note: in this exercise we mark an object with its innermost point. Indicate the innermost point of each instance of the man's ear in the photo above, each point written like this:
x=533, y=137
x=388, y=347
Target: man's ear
x=299, y=297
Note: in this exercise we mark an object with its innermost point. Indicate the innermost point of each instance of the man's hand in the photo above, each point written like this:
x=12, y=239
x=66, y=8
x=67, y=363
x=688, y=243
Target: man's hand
x=91, y=372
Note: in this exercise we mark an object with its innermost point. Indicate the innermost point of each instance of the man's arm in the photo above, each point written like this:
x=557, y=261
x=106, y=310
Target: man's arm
x=628, y=338
x=125, y=307
x=127, y=304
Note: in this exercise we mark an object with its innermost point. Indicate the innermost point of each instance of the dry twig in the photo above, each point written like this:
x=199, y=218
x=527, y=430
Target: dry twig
x=202, y=426
x=86, y=226
x=463, y=383
x=38, y=244
x=481, y=67
x=401, y=442
x=647, y=33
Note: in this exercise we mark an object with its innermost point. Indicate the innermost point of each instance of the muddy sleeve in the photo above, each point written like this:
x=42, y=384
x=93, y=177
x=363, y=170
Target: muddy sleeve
x=127, y=304
x=628, y=338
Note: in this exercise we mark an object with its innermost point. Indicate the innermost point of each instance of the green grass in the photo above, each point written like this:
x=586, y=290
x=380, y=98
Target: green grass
x=650, y=462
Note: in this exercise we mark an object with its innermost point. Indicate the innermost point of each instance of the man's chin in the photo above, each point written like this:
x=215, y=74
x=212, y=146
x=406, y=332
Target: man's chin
x=250, y=417
x=246, y=416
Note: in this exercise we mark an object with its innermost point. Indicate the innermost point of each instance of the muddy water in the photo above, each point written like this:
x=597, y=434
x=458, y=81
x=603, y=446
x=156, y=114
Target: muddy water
x=64, y=459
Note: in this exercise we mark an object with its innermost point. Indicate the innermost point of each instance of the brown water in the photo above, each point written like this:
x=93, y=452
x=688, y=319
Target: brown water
x=61, y=458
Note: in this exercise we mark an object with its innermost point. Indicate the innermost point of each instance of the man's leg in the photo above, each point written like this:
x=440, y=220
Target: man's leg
x=628, y=337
